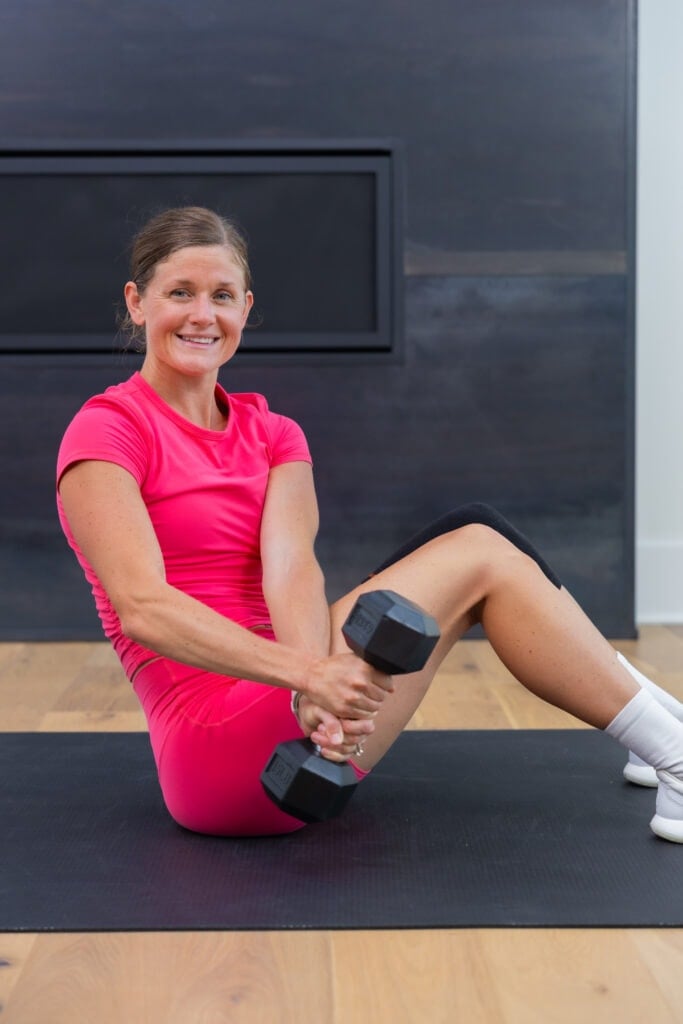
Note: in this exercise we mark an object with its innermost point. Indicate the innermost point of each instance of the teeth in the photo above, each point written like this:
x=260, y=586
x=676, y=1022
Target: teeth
x=197, y=341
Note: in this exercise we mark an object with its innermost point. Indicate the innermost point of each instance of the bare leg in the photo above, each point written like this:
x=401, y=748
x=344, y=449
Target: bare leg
x=474, y=575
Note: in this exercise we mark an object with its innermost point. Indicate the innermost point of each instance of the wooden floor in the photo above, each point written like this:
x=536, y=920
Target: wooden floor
x=487, y=976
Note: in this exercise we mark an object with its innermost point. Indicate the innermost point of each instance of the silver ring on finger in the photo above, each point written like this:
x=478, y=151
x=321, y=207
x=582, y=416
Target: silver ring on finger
x=359, y=749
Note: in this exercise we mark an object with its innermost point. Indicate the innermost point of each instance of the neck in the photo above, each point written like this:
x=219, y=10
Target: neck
x=194, y=398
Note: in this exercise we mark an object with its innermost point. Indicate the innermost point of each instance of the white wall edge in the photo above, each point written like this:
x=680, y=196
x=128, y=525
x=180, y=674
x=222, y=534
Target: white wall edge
x=659, y=574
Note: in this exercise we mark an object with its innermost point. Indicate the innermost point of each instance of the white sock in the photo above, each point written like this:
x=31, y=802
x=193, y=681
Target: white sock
x=668, y=819
x=651, y=732
x=667, y=700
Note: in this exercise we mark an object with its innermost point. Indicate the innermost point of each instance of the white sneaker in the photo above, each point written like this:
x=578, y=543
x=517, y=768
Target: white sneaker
x=668, y=821
x=639, y=772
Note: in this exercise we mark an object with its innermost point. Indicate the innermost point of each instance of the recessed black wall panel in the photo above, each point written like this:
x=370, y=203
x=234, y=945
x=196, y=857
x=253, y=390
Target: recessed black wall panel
x=515, y=384
x=322, y=225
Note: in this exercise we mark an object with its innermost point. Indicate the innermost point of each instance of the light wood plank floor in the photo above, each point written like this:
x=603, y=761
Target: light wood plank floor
x=487, y=976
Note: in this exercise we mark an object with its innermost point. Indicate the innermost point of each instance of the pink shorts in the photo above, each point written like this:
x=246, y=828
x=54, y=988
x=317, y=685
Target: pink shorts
x=212, y=736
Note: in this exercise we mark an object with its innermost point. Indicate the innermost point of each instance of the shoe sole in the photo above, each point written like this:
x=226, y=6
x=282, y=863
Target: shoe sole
x=640, y=775
x=667, y=828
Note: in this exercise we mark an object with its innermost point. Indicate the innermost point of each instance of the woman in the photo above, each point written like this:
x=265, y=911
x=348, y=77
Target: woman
x=193, y=514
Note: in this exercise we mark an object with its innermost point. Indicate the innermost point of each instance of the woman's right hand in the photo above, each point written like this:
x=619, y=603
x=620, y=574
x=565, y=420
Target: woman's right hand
x=337, y=739
x=347, y=686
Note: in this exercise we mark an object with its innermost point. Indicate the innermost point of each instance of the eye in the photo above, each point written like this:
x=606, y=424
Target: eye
x=223, y=296
x=179, y=293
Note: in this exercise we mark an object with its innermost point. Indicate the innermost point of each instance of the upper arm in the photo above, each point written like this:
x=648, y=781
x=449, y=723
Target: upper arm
x=110, y=523
x=290, y=520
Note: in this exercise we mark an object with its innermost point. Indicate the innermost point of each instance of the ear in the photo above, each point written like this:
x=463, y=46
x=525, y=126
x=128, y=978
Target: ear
x=134, y=303
x=248, y=303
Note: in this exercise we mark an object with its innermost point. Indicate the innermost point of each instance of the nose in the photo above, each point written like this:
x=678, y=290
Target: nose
x=202, y=309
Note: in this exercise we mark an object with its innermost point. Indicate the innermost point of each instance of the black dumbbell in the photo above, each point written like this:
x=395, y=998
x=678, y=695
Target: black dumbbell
x=390, y=633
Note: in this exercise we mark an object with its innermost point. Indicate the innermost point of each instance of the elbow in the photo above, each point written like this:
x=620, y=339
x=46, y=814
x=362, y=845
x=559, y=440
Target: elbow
x=138, y=620
x=278, y=574
x=133, y=627
x=279, y=583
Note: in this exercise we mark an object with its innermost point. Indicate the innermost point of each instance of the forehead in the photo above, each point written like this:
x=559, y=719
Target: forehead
x=215, y=261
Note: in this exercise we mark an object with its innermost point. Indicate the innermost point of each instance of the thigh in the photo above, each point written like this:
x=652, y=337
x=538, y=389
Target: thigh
x=448, y=577
x=466, y=515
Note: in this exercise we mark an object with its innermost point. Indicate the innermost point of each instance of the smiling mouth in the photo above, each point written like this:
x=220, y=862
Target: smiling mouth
x=194, y=339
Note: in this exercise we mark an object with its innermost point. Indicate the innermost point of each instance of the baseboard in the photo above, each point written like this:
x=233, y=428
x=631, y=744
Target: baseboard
x=659, y=581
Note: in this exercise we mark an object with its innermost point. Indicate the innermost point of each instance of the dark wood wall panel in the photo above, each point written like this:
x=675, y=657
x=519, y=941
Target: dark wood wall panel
x=513, y=114
x=516, y=385
x=514, y=393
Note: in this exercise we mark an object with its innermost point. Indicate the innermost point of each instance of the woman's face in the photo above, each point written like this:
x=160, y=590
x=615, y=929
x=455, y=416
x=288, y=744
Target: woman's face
x=193, y=310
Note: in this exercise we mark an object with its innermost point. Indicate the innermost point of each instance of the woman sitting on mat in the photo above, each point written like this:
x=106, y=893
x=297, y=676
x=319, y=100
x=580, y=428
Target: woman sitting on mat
x=193, y=514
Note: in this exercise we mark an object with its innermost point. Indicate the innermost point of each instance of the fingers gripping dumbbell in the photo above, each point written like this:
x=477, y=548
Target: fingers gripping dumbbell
x=395, y=636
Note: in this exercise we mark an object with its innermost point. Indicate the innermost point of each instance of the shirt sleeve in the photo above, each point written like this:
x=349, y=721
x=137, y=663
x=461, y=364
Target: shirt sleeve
x=107, y=433
x=288, y=441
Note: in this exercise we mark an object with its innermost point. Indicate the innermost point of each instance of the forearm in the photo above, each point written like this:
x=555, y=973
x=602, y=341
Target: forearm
x=181, y=628
x=301, y=619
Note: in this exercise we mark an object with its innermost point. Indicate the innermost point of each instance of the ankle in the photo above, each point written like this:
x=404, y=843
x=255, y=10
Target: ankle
x=651, y=732
x=663, y=697
x=674, y=782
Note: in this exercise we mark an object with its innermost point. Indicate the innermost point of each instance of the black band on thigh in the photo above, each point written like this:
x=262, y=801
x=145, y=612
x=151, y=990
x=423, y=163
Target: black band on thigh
x=465, y=515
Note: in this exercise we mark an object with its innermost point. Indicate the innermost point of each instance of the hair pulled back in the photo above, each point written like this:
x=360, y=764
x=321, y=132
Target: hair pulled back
x=174, y=229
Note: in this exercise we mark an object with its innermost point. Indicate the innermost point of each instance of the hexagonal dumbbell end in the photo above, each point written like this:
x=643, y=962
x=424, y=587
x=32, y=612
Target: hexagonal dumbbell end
x=306, y=785
x=390, y=632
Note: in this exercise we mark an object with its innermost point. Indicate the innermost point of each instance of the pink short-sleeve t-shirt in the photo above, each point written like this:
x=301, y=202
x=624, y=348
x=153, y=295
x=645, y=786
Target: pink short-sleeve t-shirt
x=204, y=491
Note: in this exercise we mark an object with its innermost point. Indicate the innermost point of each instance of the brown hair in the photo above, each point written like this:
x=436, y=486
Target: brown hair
x=174, y=229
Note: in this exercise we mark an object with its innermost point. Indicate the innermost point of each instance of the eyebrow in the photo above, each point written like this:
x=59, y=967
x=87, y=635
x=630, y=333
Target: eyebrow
x=188, y=281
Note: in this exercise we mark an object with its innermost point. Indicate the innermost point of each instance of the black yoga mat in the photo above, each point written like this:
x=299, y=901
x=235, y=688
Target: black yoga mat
x=453, y=829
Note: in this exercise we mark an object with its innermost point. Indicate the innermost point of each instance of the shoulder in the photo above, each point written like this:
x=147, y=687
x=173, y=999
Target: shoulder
x=109, y=426
x=118, y=400
x=285, y=437
x=250, y=408
x=250, y=405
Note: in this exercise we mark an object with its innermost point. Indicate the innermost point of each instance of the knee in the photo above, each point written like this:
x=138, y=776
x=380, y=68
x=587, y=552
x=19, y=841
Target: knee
x=490, y=553
x=480, y=512
x=485, y=538
x=488, y=516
